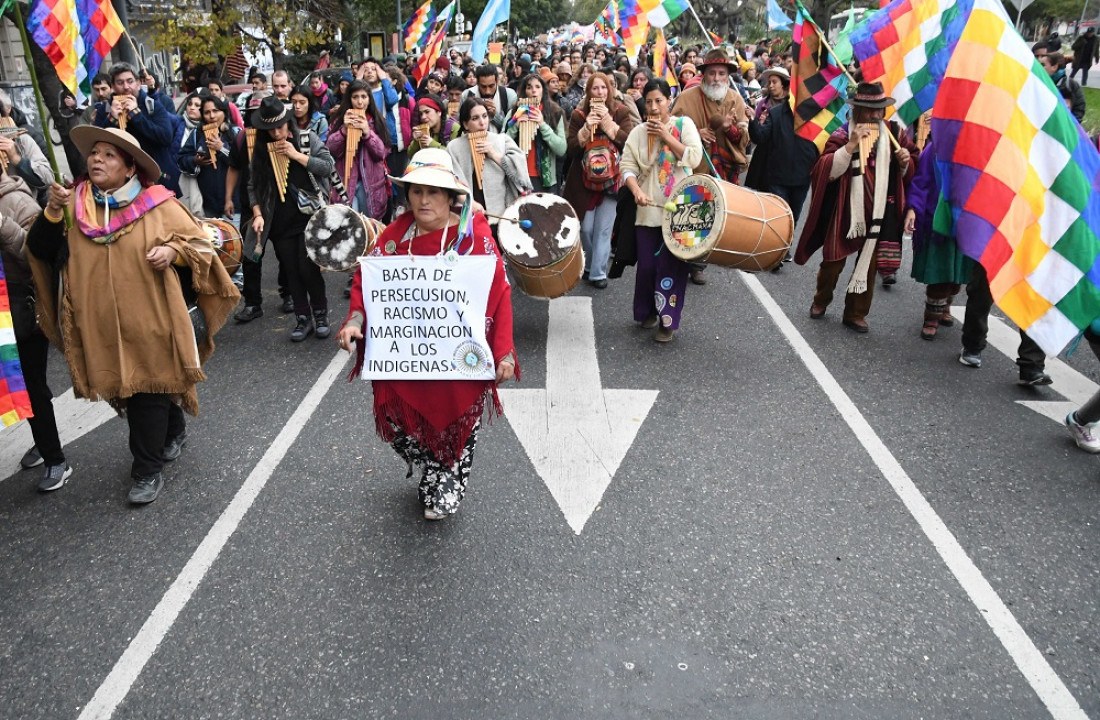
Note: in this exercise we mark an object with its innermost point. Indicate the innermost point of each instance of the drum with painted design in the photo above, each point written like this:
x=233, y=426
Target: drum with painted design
x=723, y=224
x=545, y=256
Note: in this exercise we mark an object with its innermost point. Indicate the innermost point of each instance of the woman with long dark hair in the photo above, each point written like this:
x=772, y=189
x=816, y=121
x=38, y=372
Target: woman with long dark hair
x=549, y=144
x=367, y=185
x=307, y=113
x=207, y=158
x=283, y=219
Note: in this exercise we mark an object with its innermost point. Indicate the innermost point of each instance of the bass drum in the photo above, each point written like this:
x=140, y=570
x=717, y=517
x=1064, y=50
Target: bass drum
x=226, y=239
x=723, y=224
x=337, y=236
x=545, y=256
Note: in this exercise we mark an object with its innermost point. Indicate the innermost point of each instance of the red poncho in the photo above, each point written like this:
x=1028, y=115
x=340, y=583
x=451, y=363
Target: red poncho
x=439, y=414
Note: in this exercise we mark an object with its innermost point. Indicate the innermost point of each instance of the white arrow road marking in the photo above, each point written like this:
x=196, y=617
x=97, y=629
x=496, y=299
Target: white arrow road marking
x=575, y=432
x=1068, y=383
x=75, y=418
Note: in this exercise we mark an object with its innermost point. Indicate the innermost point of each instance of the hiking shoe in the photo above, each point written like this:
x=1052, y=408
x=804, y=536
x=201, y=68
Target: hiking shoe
x=174, y=447
x=249, y=313
x=146, y=489
x=1034, y=376
x=970, y=359
x=31, y=459
x=1082, y=435
x=55, y=476
x=320, y=323
x=302, y=330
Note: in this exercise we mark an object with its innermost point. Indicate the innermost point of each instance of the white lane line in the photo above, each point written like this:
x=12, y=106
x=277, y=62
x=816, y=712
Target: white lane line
x=117, y=685
x=1034, y=666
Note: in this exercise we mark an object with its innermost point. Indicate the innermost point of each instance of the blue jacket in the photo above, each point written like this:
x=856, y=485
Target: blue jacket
x=385, y=98
x=156, y=132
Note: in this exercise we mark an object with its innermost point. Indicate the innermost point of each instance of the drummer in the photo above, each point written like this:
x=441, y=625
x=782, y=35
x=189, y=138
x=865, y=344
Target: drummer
x=434, y=424
x=657, y=155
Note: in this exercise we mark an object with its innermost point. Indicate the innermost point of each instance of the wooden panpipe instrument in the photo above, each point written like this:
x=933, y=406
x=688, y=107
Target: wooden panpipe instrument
x=452, y=108
x=527, y=127
x=867, y=143
x=123, y=117
x=280, y=166
x=924, y=127
x=354, y=137
x=479, y=159
x=210, y=131
x=653, y=139
x=592, y=105
x=423, y=133
x=250, y=141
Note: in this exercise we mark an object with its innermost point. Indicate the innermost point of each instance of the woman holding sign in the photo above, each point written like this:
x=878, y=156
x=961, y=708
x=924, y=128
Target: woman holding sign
x=432, y=423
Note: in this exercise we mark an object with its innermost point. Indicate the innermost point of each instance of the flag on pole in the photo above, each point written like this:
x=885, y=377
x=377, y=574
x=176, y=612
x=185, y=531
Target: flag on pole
x=906, y=46
x=417, y=26
x=818, y=83
x=76, y=36
x=777, y=19
x=633, y=27
x=444, y=17
x=661, y=67
x=607, y=24
x=431, y=53
x=15, y=404
x=715, y=38
x=496, y=12
x=661, y=12
x=1019, y=174
x=843, y=45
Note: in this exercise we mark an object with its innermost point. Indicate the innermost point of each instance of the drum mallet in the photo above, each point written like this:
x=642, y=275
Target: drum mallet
x=525, y=224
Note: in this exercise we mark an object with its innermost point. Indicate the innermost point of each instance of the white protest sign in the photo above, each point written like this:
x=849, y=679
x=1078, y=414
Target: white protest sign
x=426, y=317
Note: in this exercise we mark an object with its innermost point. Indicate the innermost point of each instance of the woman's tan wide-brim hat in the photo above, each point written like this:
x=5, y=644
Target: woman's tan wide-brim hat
x=432, y=167
x=85, y=136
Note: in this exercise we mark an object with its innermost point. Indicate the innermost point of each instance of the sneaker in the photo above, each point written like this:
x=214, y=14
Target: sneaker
x=288, y=305
x=1034, y=376
x=146, y=489
x=249, y=313
x=55, y=476
x=174, y=447
x=970, y=359
x=302, y=330
x=891, y=279
x=1082, y=435
x=432, y=513
x=320, y=324
x=31, y=459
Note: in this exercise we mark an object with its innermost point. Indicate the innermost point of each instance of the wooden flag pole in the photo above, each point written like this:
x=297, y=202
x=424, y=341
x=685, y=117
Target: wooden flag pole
x=701, y=26
x=137, y=53
x=821, y=38
x=38, y=99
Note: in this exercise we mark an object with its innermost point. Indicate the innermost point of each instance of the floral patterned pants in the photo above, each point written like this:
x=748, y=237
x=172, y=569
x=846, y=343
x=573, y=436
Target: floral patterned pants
x=442, y=487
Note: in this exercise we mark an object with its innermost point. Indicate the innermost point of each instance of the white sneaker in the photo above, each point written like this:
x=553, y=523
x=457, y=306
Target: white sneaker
x=1082, y=435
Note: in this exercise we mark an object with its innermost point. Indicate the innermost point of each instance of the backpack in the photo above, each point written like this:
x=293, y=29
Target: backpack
x=600, y=165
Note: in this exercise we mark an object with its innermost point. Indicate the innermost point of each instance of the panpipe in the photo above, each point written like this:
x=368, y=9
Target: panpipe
x=280, y=166
x=479, y=159
x=867, y=143
x=423, y=133
x=526, y=125
x=250, y=140
x=354, y=136
x=210, y=130
x=653, y=139
x=592, y=105
x=924, y=127
x=452, y=108
x=123, y=117
x=8, y=130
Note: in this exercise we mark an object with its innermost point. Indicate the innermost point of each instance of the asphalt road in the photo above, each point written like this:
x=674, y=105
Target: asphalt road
x=754, y=556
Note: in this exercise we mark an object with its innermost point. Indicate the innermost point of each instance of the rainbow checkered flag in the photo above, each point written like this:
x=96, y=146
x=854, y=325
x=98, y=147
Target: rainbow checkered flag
x=76, y=36
x=1018, y=174
x=818, y=83
x=15, y=404
x=416, y=28
x=633, y=27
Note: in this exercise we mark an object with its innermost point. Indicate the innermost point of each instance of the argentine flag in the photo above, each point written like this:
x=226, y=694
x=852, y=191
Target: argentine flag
x=496, y=12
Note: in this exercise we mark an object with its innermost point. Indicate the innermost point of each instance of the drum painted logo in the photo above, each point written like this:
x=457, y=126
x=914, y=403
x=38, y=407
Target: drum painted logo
x=694, y=215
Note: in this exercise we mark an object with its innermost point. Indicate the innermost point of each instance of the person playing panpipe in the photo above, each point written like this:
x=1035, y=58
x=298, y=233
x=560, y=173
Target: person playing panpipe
x=433, y=128
x=545, y=121
x=504, y=168
x=366, y=183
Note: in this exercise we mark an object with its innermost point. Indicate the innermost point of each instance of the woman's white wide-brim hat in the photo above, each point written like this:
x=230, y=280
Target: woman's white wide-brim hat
x=433, y=167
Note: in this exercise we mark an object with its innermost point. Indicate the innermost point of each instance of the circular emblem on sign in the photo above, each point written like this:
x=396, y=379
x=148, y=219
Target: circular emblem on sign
x=470, y=359
x=451, y=258
x=391, y=246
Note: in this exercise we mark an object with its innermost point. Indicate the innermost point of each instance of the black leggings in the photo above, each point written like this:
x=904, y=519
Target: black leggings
x=303, y=277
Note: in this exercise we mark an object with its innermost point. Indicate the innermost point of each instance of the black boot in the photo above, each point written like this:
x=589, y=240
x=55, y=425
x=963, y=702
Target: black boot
x=320, y=322
x=302, y=330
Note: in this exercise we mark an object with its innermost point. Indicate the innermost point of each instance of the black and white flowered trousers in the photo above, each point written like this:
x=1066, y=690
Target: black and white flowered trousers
x=442, y=487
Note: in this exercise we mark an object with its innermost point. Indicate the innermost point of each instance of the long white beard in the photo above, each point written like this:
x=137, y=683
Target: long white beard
x=715, y=92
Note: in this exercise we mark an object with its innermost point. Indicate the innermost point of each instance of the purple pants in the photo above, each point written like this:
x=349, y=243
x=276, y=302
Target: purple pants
x=661, y=280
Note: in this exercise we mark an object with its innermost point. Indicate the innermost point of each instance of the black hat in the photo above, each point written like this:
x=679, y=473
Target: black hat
x=870, y=95
x=271, y=114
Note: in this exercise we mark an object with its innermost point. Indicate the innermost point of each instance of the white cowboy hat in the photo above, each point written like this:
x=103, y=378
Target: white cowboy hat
x=432, y=167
